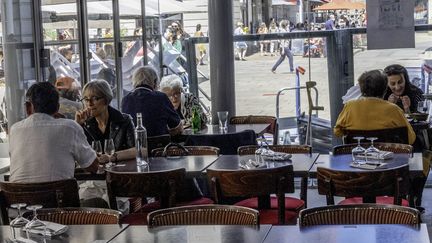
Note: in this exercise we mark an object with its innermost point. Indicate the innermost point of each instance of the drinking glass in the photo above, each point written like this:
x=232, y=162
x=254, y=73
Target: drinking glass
x=223, y=117
x=35, y=223
x=372, y=153
x=97, y=147
x=109, y=150
x=423, y=106
x=358, y=151
x=19, y=222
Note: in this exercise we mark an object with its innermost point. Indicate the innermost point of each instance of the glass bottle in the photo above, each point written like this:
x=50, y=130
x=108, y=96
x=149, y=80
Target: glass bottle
x=196, y=119
x=141, y=142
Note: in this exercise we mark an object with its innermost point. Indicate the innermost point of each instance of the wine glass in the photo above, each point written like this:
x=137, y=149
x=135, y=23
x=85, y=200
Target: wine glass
x=97, y=147
x=35, y=224
x=109, y=150
x=358, y=151
x=259, y=151
x=372, y=152
x=19, y=222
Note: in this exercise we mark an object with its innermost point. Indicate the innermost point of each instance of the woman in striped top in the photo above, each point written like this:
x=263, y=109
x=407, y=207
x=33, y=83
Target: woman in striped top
x=400, y=90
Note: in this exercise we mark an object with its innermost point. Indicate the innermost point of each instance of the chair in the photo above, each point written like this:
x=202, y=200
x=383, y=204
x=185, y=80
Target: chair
x=63, y=193
x=389, y=135
x=204, y=215
x=375, y=186
x=392, y=147
x=273, y=129
x=158, y=141
x=160, y=184
x=291, y=149
x=173, y=149
x=359, y=214
x=227, y=143
x=69, y=216
x=259, y=183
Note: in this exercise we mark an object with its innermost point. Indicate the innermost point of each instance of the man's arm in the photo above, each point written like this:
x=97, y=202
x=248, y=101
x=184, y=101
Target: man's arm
x=93, y=168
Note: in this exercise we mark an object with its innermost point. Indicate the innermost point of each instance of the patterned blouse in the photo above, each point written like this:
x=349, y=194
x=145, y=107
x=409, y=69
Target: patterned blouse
x=413, y=92
x=188, y=101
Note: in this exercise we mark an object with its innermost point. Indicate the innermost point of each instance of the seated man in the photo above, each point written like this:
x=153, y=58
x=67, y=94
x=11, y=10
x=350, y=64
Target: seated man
x=159, y=116
x=43, y=148
x=371, y=111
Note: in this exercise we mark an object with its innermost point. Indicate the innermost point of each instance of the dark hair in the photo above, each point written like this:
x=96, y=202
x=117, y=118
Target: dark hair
x=44, y=98
x=373, y=83
x=397, y=69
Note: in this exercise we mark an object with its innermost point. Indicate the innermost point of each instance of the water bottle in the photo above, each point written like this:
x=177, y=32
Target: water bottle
x=141, y=142
x=196, y=119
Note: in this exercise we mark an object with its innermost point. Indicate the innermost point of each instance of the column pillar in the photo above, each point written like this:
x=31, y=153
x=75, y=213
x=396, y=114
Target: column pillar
x=340, y=63
x=221, y=57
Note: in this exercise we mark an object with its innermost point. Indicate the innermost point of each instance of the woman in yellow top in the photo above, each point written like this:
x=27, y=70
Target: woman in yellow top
x=371, y=111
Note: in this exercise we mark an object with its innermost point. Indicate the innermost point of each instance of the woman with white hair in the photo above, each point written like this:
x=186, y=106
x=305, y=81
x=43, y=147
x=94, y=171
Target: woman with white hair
x=159, y=116
x=183, y=102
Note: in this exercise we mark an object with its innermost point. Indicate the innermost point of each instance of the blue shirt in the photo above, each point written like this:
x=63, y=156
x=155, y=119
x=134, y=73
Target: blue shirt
x=157, y=111
x=329, y=25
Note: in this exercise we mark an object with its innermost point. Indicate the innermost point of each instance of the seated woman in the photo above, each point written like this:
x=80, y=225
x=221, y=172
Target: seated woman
x=159, y=116
x=371, y=111
x=183, y=102
x=101, y=121
x=400, y=90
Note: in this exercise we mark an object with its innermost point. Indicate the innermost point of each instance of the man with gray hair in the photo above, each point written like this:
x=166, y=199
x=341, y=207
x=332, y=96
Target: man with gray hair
x=159, y=116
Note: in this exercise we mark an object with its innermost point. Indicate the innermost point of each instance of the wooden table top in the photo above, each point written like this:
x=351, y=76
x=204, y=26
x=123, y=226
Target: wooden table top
x=194, y=234
x=384, y=233
x=194, y=164
x=74, y=234
x=232, y=128
x=301, y=162
x=342, y=162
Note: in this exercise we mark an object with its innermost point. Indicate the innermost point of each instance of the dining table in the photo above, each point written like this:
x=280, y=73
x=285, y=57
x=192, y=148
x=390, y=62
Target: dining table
x=342, y=162
x=74, y=234
x=194, y=234
x=370, y=233
x=194, y=165
x=259, y=129
x=301, y=162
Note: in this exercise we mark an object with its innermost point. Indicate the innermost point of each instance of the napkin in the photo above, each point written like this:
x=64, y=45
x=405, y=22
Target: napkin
x=382, y=155
x=365, y=166
x=51, y=230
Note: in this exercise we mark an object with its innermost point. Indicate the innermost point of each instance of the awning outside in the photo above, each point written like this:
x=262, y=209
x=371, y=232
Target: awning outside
x=341, y=5
x=126, y=8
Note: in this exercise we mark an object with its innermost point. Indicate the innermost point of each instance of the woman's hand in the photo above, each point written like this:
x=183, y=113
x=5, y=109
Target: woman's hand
x=104, y=158
x=406, y=102
x=82, y=115
x=393, y=98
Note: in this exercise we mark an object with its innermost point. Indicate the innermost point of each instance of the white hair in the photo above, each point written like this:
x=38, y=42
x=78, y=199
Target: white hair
x=146, y=75
x=171, y=81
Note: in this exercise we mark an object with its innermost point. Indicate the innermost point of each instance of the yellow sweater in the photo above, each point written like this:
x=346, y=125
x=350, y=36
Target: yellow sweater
x=371, y=114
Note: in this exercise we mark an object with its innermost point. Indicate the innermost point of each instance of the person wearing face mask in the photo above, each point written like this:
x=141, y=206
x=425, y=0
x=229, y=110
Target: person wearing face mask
x=400, y=91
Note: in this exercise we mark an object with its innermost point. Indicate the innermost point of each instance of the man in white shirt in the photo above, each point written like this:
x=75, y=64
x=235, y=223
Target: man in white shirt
x=43, y=148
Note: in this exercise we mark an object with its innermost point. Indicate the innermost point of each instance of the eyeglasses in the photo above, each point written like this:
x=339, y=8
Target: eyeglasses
x=174, y=26
x=92, y=99
x=174, y=96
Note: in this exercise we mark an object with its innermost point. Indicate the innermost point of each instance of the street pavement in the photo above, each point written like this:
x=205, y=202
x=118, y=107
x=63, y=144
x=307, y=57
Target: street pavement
x=256, y=86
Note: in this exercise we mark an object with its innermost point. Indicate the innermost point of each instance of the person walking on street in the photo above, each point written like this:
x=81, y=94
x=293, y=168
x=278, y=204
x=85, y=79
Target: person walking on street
x=285, y=49
x=241, y=46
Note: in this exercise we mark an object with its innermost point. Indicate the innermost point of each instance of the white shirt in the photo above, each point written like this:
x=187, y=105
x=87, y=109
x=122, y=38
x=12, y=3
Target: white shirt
x=45, y=149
